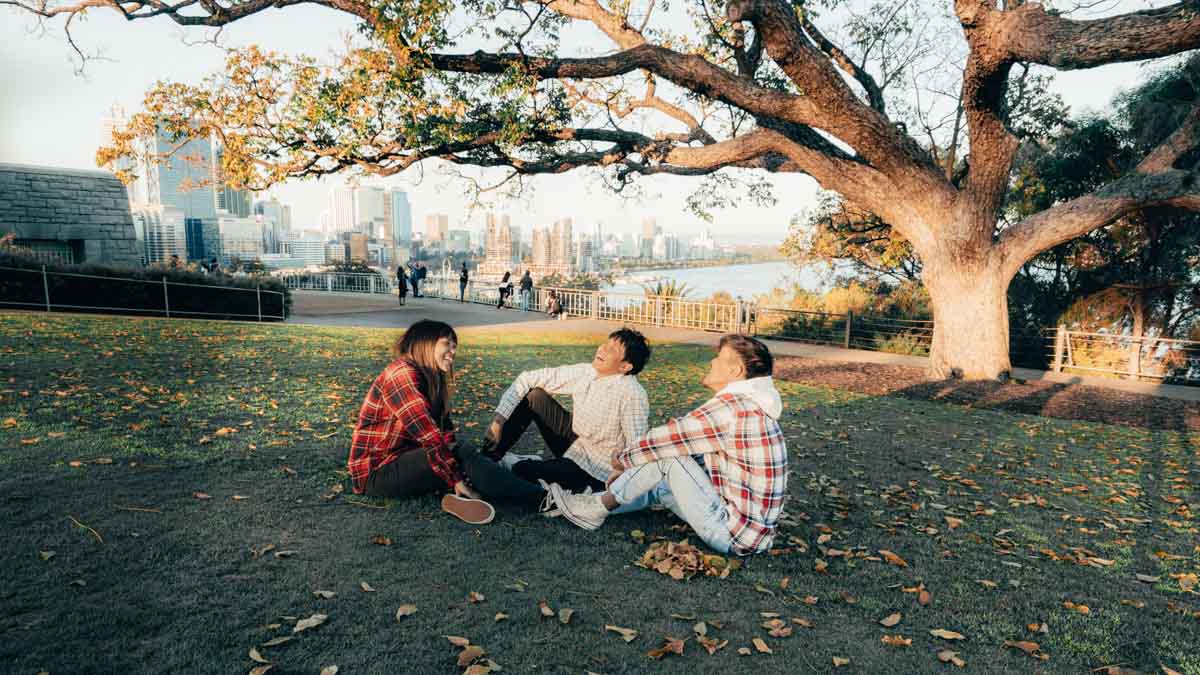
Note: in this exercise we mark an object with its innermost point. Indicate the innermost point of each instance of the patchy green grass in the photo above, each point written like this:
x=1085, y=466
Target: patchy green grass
x=1006, y=520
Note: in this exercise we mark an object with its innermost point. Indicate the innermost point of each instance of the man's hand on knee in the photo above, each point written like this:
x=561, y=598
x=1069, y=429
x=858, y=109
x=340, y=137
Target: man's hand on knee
x=496, y=426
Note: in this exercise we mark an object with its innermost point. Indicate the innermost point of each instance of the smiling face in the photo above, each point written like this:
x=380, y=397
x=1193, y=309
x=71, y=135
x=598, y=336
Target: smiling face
x=725, y=367
x=610, y=359
x=443, y=354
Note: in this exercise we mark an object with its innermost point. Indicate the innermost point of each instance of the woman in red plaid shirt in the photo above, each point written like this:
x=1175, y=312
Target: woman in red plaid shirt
x=404, y=443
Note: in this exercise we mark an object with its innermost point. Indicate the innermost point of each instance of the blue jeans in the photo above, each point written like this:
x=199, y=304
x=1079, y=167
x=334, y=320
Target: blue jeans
x=525, y=300
x=682, y=485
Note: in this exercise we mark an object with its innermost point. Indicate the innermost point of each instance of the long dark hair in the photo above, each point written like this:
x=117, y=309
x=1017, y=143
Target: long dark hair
x=416, y=347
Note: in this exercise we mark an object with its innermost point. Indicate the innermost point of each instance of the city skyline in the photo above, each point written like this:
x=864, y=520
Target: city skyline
x=41, y=70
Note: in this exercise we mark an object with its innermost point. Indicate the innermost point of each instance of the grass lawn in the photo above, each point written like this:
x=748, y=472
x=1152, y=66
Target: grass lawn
x=1020, y=528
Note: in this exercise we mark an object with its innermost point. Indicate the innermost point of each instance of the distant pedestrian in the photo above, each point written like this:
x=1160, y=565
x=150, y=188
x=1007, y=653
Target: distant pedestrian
x=175, y=262
x=505, y=289
x=401, y=283
x=554, y=306
x=526, y=290
x=214, y=266
x=414, y=278
x=463, y=279
x=423, y=272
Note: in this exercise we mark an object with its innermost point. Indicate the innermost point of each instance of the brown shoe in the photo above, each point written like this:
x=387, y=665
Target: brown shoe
x=473, y=511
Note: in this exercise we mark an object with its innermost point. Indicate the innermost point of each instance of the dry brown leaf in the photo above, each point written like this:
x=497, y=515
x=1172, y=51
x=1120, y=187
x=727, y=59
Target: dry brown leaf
x=890, y=620
x=670, y=646
x=500, y=616
x=564, y=615
x=744, y=651
x=201, y=495
x=469, y=655
x=947, y=656
x=947, y=634
x=1147, y=578
x=46, y=555
x=259, y=670
x=238, y=498
x=367, y=588
x=225, y=431
x=256, y=657
x=821, y=566
x=545, y=609
x=953, y=523
x=761, y=646
x=329, y=670
x=405, y=610
x=803, y=623
x=986, y=583
x=478, y=669
x=896, y=641
x=284, y=554
x=274, y=642
x=923, y=597
x=810, y=599
x=311, y=622
x=457, y=640
x=1169, y=671
x=325, y=595
x=475, y=597
x=700, y=628
x=627, y=634
x=1024, y=645
x=893, y=559
x=838, y=662
x=711, y=645
x=380, y=540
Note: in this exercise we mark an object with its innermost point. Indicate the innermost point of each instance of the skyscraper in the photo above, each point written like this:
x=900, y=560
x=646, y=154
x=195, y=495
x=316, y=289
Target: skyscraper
x=368, y=210
x=436, y=226
x=402, y=226
x=498, y=247
x=341, y=211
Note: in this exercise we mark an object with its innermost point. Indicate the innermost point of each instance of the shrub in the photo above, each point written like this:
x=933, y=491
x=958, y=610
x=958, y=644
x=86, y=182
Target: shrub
x=139, y=291
x=903, y=343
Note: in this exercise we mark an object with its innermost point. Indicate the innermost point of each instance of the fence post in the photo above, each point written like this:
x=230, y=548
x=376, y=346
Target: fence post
x=595, y=309
x=166, y=298
x=1137, y=359
x=1060, y=341
x=258, y=293
x=46, y=287
x=849, y=329
x=328, y=283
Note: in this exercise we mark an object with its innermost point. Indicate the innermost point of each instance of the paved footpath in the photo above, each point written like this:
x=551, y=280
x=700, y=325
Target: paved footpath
x=351, y=309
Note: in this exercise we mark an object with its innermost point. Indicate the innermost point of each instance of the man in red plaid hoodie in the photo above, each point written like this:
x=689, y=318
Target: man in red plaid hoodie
x=722, y=468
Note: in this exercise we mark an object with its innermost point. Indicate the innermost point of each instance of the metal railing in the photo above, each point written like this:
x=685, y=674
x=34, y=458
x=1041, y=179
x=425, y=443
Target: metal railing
x=1155, y=358
x=56, y=290
x=337, y=282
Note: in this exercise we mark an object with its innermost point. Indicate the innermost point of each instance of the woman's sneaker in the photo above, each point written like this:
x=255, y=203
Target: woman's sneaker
x=584, y=510
x=473, y=511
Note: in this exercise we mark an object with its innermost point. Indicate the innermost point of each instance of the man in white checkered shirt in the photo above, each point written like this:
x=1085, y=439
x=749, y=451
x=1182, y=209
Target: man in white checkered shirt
x=609, y=410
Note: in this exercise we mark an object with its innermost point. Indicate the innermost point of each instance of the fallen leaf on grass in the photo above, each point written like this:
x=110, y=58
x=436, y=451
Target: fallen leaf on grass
x=1024, y=645
x=1187, y=582
x=475, y=597
x=953, y=523
x=811, y=599
x=627, y=634
x=274, y=642
x=324, y=595
x=46, y=555
x=102, y=460
x=74, y=464
x=896, y=641
x=838, y=662
x=777, y=628
x=225, y=431
x=744, y=651
x=405, y=610
x=286, y=553
x=670, y=646
x=890, y=620
x=821, y=566
x=1147, y=578
x=204, y=440
x=803, y=623
x=923, y=597
x=457, y=640
x=761, y=646
x=545, y=609
x=470, y=654
x=311, y=622
x=367, y=588
x=329, y=670
x=1082, y=609
x=500, y=616
x=947, y=634
x=238, y=498
x=564, y=615
x=260, y=669
x=711, y=645
x=478, y=669
x=256, y=657
x=947, y=656
x=893, y=559
x=381, y=540
x=986, y=583
x=31, y=441
x=201, y=495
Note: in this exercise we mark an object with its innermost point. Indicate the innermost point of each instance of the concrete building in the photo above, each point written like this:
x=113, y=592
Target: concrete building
x=498, y=247
x=307, y=248
x=368, y=211
x=400, y=212
x=457, y=241
x=666, y=246
x=163, y=233
x=650, y=230
x=354, y=246
x=69, y=216
x=437, y=226
x=241, y=239
x=341, y=211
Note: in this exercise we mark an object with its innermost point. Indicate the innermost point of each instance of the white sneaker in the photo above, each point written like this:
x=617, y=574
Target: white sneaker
x=511, y=458
x=584, y=510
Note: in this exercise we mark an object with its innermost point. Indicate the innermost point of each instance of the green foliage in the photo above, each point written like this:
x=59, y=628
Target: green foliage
x=582, y=282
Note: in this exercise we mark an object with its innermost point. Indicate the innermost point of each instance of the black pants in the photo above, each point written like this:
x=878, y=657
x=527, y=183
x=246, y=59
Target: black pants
x=410, y=475
x=554, y=424
x=416, y=283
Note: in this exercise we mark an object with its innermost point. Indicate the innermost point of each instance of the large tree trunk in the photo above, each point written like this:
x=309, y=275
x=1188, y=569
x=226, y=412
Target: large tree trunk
x=970, y=318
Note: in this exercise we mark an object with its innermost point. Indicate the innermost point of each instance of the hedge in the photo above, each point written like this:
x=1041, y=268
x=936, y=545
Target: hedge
x=139, y=291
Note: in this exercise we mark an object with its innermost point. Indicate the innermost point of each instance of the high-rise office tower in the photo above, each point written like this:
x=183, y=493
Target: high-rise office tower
x=436, y=226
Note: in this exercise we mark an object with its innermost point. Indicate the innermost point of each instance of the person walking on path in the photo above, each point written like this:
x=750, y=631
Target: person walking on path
x=505, y=289
x=414, y=278
x=722, y=468
x=401, y=283
x=463, y=279
x=554, y=306
x=404, y=443
x=423, y=271
x=608, y=414
x=526, y=290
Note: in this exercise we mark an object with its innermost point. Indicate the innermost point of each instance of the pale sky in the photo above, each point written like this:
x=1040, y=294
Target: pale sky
x=51, y=116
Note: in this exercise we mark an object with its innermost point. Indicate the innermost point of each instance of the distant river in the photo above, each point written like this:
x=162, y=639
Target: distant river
x=745, y=281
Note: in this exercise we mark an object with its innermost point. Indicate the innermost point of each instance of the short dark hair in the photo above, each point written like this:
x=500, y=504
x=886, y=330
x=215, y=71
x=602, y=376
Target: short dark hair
x=637, y=350
x=756, y=358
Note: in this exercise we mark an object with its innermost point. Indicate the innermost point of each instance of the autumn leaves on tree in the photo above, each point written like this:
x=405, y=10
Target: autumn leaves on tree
x=756, y=86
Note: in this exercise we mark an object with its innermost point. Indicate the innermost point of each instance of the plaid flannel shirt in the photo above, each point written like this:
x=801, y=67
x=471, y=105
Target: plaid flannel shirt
x=743, y=451
x=395, y=419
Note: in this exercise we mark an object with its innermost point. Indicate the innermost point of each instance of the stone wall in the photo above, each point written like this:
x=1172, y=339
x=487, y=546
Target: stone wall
x=90, y=209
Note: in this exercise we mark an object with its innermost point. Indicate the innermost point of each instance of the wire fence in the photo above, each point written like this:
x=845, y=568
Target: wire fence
x=40, y=289
x=337, y=282
x=1154, y=358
